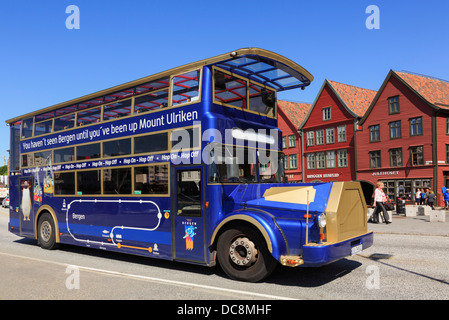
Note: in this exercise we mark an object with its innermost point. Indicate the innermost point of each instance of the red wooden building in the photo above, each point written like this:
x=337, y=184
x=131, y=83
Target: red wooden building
x=328, y=132
x=291, y=116
x=404, y=136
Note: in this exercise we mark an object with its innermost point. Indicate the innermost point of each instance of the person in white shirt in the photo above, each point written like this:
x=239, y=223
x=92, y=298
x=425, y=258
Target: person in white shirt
x=418, y=196
x=379, y=200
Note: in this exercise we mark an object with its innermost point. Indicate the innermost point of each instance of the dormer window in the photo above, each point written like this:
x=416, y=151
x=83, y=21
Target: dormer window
x=326, y=113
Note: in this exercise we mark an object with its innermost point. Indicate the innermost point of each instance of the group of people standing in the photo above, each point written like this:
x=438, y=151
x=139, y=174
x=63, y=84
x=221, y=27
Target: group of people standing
x=427, y=196
x=424, y=197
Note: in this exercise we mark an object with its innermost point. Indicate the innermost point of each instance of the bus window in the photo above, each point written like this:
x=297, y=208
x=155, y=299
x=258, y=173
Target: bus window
x=151, y=101
x=27, y=160
x=231, y=164
x=43, y=127
x=261, y=100
x=271, y=166
x=117, y=181
x=89, y=116
x=188, y=196
x=152, y=179
x=117, y=148
x=64, y=183
x=89, y=182
x=42, y=158
x=117, y=110
x=230, y=90
x=27, y=128
x=153, y=85
x=65, y=122
x=183, y=139
x=185, y=88
x=88, y=151
x=151, y=143
x=64, y=155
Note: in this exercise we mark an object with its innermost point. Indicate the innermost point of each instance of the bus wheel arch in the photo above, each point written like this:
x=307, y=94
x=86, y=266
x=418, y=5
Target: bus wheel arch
x=244, y=250
x=47, y=229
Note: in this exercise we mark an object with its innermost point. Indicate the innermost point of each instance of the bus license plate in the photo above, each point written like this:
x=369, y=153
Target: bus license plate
x=356, y=249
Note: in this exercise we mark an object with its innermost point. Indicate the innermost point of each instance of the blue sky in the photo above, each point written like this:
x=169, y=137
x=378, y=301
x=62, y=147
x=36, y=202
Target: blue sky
x=43, y=63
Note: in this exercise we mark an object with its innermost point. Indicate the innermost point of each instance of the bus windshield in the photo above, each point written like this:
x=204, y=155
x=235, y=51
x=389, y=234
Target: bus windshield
x=236, y=164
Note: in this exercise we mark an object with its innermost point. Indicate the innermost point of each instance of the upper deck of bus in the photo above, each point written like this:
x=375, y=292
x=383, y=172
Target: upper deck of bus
x=232, y=80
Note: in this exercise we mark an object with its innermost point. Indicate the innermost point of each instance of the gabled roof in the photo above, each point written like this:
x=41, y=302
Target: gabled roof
x=356, y=100
x=295, y=111
x=435, y=92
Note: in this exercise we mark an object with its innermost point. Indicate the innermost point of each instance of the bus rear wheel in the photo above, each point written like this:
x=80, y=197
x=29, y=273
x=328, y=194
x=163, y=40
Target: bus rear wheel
x=46, y=232
x=243, y=255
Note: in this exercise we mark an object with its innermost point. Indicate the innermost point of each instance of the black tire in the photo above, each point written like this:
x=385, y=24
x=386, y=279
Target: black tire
x=243, y=255
x=46, y=232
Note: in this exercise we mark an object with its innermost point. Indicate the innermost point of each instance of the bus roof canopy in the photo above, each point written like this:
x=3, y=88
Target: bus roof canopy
x=256, y=64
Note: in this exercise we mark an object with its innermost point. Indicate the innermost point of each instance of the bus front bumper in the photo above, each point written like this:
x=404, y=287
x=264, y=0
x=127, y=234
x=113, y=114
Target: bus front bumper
x=315, y=255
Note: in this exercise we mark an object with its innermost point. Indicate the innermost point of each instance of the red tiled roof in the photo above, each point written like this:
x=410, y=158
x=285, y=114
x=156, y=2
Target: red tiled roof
x=295, y=111
x=356, y=99
x=435, y=91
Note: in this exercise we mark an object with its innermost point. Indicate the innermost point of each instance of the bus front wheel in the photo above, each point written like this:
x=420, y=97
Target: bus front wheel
x=46, y=232
x=243, y=254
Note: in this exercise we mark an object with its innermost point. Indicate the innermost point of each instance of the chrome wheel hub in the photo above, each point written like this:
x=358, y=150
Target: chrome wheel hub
x=243, y=252
x=46, y=231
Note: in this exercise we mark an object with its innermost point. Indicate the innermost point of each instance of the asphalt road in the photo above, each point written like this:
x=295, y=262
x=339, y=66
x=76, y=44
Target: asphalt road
x=399, y=266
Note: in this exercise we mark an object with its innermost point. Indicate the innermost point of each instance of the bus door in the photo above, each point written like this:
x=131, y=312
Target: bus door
x=26, y=203
x=187, y=208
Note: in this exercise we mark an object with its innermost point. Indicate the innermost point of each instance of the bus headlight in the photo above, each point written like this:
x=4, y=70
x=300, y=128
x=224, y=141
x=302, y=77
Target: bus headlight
x=322, y=220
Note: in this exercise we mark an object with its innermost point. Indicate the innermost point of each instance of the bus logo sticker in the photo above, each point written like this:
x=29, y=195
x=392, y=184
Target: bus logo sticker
x=189, y=234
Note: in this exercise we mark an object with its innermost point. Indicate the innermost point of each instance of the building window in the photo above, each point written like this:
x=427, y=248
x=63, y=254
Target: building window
x=395, y=129
x=396, y=157
x=320, y=160
x=341, y=133
x=291, y=141
x=375, y=159
x=342, y=158
x=293, y=161
x=447, y=125
x=393, y=105
x=311, y=138
x=417, y=155
x=416, y=126
x=326, y=113
x=319, y=137
x=284, y=142
x=447, y=153
x=389, y=188
x=374, y=133
x=285, y=162
x=330, y=135
x=311, y=161
x=330, y=159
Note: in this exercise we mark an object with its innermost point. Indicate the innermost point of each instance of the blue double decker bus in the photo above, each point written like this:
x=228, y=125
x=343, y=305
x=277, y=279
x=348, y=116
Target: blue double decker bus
x=183, y=165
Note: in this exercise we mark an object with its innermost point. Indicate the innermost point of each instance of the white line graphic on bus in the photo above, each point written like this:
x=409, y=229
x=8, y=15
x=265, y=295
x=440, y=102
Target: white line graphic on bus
x=112, y=235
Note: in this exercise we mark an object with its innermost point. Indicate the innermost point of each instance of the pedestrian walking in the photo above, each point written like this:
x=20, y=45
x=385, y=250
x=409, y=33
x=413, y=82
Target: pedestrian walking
x=431, y=196
x=379, y=202
x=446, y=199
